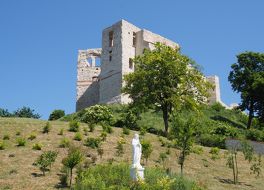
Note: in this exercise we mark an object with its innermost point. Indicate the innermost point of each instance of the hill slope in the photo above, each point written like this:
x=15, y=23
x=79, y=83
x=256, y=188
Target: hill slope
x=17, y=171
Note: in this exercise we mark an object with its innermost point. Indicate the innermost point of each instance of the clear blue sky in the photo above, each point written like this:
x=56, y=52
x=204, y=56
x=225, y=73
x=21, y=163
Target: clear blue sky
x=39, y=41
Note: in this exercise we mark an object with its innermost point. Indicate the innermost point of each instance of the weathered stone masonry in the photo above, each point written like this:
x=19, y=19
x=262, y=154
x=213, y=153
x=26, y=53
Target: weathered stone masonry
x=120, y=43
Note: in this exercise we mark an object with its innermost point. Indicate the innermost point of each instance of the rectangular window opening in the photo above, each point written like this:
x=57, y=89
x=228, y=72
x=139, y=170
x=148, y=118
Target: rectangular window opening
x=134, y=39
x=111, y=39
x=130, y=63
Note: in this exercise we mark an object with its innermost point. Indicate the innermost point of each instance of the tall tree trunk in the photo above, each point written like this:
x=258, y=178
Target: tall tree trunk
x=251, y=115
x=165, y=118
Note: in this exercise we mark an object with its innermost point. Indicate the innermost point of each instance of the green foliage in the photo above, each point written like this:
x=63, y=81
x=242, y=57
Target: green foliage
x=107, y=128
x=197, y=150
x=96, y=114
x=45, y=160
x=225, y=130
x=212, y=140
x=46, y=128
x=32, y=136
x=103, y=135
x=92, y=142
x=5, y=113
x=246, y=77
x=26, y=112
x=78, y=136
x=2, y=145
x=85, y=130
x=18, y=133
x=162, y=158
x=6, y=137
x=184, y=133
x=255, y=135
x=111, y=177
x=21, y=141
x=74, y=126
x=61, y=131
x=64, y=143
x=37, y=146
x=100, y=152
x=256, y=166
x=91, y=127
x=74, y=157
x=126, y=131
x=146, y=149
x=215, y=153
x=120, y=147
x=217, y=107
x=163, y=79
x=56, y=114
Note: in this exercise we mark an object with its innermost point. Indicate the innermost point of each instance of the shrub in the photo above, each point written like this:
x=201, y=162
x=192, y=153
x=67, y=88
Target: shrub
x=120, y=148
x=56, y=114
x=91, y=127
x=225, y=130
x=146, y=149
x=21, y=141
x=61, y=131
x=92, y=142
x=85, y=130
x=74, y=126
x=103, y=136
x=215, y=153
x=5, y=113
x=113, y=176
x=37, y=146
x=126, y=131
x=217, y=107
x=26, y=112
x=32, y=136
x=46, y=128
x=2, y=145
x=107, y=128
x=78, y=136
x=255, y=135
x=100, y=152
x=212, y=140
x=18, y=133
x=197, y=150
x=97, y=114
x=6, y=137
x=45, y=160
x=143, y=131
x=64, y=143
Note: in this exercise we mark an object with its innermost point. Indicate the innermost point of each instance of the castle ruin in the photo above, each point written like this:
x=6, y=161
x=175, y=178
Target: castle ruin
x=121, y=42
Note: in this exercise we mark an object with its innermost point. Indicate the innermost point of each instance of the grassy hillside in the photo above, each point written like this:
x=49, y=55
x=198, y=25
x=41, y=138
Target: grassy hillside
x=17, y=171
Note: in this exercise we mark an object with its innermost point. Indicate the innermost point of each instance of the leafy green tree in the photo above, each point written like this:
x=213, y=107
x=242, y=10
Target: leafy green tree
x=75, y=157
x=56, y=114
x=183, y=132
x=247, y=77
x=146, y=149
x=5, y=113
x=26, y=112
x=166, y=80
x=45, y=160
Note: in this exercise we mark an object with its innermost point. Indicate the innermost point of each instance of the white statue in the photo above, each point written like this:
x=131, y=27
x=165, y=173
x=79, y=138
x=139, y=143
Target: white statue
x=137, y=171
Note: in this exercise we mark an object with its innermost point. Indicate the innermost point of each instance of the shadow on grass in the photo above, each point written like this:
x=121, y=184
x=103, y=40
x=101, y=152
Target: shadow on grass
x=36, y=174
x=224, y=119
x=229, y=181
x=60, y=185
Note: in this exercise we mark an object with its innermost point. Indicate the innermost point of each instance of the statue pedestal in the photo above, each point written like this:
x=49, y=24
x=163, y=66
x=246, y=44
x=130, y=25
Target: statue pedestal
x=137, y=173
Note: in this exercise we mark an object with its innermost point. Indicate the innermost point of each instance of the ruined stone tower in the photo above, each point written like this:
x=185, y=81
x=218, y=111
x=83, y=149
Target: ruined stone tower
x=120, y=43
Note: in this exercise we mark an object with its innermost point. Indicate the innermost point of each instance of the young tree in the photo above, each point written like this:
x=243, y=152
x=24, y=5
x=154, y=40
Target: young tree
x=75, y=156
x=247, y=77
x=146, y=150
x=45, y=160
x=56, y=114
x=166, y=80
x=183, y=132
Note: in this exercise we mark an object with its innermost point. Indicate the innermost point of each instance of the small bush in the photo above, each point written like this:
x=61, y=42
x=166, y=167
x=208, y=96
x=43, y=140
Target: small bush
x=18, y=133
x=212, y=140
x=217, y=107
x=74, y=126
x=64, y=143
x=100, y=152
x=92, y=142
x=6, y=137
x=21, y=141
x=56, y=114
x=46, y=128
x=107, y=128
x=103, y=135
x=215, y=153
x=255, y=135
x=143, y=131
x=2, y=145
x=61, y=131
x=32, y=136
x=37, y=146
x=45, y=160
x=119, y=148
x=126, y=131
x=146, y=150
x=85, y=130
x=78, y=136
x=91, y=127
x=225, y=130
x=197, y=150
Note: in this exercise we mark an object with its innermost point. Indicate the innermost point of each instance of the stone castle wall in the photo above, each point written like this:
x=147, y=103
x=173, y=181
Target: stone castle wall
x=121, y=42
